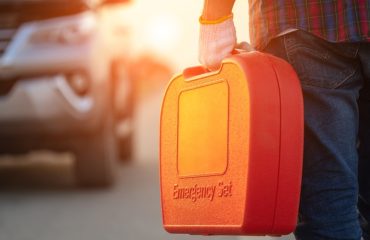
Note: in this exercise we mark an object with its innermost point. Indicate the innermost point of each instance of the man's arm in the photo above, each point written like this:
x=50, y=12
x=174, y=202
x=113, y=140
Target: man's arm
x=216, y=9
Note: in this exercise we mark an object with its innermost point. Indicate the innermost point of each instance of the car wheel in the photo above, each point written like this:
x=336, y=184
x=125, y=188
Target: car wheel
x=124, y=109
x=125, y=140
x=96, y=157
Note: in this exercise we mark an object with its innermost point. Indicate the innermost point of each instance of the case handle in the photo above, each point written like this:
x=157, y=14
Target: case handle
x=194, y=71
x=198, y=70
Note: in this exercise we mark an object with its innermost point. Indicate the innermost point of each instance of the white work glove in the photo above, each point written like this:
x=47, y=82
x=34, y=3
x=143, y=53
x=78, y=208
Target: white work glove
x=216, y=42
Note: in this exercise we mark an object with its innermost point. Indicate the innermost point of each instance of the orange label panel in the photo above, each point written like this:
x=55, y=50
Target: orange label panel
x=203, y=130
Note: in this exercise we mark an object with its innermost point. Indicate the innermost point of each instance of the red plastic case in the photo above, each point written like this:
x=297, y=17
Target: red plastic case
x=231, y=147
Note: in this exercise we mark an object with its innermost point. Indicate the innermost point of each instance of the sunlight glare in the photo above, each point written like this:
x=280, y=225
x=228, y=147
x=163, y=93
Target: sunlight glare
x=163, y=33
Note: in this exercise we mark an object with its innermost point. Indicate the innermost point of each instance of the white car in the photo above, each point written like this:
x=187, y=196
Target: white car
x=61, y=72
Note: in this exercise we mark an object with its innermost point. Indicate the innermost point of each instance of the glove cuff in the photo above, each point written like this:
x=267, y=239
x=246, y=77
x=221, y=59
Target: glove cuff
x=216, y=21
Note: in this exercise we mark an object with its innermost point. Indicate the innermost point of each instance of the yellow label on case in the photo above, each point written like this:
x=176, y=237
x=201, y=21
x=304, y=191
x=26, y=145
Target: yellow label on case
x=203, y=130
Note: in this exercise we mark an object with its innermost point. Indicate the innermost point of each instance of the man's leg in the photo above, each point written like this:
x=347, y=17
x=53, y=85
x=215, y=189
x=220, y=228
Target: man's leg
x=364, y=146
x=331, y=79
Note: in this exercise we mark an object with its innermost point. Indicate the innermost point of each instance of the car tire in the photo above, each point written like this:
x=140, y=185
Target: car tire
x=96, y=157
x=125, y=141
x=124, y=116
x=125, y=147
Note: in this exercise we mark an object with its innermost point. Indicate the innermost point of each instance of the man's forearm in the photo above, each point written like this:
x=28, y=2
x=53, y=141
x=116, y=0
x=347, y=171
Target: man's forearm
x=215, y=9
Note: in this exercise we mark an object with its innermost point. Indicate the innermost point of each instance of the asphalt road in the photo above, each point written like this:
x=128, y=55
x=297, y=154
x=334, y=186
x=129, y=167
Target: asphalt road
x=39, y=201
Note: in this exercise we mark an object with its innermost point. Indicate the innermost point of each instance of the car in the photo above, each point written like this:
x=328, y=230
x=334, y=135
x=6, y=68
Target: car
x=63, y=83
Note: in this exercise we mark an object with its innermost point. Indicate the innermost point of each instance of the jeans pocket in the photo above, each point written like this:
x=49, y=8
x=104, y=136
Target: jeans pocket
x=319, y=63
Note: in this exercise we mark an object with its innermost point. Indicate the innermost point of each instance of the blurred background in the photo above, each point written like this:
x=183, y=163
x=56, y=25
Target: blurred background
x=81, y=84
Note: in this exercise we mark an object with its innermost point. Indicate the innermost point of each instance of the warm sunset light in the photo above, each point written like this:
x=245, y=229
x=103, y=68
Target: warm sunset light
x=170, y=29
x=163, y=33
x=85, y=121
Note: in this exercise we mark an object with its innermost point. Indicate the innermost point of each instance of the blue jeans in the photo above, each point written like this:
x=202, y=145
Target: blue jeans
x=335, y=78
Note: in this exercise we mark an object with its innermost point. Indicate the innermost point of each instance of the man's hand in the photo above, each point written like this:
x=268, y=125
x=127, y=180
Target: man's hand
x=216, y=42
x=217, y=32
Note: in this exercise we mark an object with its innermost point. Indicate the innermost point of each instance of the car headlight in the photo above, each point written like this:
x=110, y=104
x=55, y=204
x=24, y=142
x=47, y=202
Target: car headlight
x=68, y=33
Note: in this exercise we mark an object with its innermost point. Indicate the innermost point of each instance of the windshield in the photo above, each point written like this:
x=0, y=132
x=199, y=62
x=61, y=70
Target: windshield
x=15, y=12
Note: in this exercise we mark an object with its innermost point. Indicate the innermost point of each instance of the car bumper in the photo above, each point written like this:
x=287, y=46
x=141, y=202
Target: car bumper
x=47, y=105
